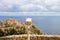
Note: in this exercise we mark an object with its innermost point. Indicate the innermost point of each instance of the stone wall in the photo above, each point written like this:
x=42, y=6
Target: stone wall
x=36, y=37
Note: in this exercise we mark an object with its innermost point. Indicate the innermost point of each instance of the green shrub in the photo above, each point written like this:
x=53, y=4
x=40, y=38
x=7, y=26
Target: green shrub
x=1, y=33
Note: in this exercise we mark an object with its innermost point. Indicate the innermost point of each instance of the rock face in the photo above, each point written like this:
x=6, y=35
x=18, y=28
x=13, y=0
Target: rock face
x=13, y=27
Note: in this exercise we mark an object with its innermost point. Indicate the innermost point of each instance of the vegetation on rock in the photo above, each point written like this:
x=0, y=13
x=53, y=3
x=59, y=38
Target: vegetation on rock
x=13, y=27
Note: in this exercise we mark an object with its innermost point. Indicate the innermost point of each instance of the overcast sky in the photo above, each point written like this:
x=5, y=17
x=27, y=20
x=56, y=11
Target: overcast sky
x=34, y=8
x=29, y=5
x=29, y=13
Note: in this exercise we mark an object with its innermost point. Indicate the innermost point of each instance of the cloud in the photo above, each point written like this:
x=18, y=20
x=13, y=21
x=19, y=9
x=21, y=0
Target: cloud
x=30, y=5
x=53, y=5
x=52, y=2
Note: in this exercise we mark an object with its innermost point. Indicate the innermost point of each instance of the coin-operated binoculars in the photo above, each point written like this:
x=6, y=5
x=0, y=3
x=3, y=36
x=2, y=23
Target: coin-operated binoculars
x=28, y=23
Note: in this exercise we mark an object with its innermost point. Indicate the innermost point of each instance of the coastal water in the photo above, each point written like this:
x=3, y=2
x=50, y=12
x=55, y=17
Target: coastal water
x=48, y=24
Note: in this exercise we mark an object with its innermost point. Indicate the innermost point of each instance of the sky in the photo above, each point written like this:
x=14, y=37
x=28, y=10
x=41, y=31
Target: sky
x=29, y=13
x=48, y=9
x=29, y=5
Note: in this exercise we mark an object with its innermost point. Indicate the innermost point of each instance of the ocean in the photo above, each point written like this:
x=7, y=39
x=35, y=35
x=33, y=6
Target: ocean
x=48, y=24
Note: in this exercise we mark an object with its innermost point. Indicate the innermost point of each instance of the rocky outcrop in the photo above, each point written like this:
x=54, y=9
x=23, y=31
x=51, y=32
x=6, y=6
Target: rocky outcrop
x=13, y=27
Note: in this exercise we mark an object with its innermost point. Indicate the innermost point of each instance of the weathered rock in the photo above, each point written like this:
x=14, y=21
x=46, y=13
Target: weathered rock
x=12, y=27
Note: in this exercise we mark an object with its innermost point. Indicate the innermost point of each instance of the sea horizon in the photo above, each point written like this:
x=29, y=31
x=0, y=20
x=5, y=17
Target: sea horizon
x=48, y=24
